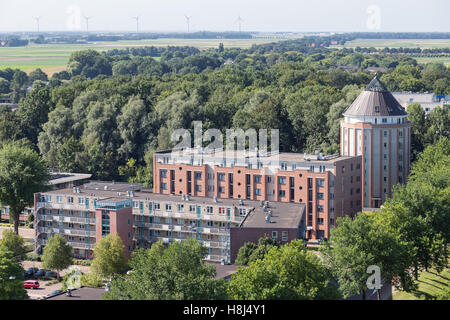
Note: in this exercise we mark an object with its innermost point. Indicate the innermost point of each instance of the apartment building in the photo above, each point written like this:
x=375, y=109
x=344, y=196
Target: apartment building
x=58, y=180
x=85, y=214
x=329, y=186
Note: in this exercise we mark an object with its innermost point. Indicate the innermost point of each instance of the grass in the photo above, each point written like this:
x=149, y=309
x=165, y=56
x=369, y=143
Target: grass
x=425, y=60
x=53, y=58
x=431, y=284
x=397, y=43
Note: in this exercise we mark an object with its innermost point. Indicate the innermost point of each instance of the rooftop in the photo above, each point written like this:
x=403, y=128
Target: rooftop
x=63, y=177
x=375, y=100
x=83, y=293
x=284, y=215
x=242, y=154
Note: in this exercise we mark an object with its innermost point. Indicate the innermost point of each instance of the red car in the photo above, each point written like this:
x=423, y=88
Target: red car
x=31, y=284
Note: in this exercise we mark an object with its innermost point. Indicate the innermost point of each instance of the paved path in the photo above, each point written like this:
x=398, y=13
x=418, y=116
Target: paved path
x=24, y=232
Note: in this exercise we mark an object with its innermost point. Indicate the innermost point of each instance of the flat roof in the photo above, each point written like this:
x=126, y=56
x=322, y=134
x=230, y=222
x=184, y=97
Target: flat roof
x=290, y=210
x=83, y=293
x=240, y=154
x=63, y=177
x=223, y=271
x=284, y=215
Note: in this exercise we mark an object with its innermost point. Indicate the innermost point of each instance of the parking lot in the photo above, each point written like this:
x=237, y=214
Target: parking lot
x=45, y=289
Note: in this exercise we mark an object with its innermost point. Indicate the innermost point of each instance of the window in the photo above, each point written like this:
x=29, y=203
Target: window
x=319, y=220
x=377, y=109
x=269, y=179
x=242, y=212
x=320, y=182
x=284, y=236
x=163, y=186
x=384, y=120
x=282, y=193
x=157, y=207
x=168, y=207
x=69, y=199
x=181, y=207
x=209, y=209
x=275, y=235
x=221, y=176
x=59, y=199
x=221, y=189
x=320, y=208
x=163, y=173
x=48, y=198
x=198, y=188
x=283, y=166
x=258, y=179
x=80, y=200
x=136, y=204
x=191, y=208
x=257, y=192
x=282, y=180
x=320, y=196
x=198, y=175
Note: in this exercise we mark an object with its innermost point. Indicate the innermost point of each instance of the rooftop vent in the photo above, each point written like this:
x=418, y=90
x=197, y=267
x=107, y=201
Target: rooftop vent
x=105, y=187
x=215, y=199
x=267, y=219
x=241, y=202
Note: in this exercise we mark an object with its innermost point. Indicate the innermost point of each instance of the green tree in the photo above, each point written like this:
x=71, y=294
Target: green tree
x=355, y=244
x=109, y=258
x=58, y=254
x=416, y=115
x=288, y=272
x=4, y=85
x=11, y=277
x=37, y=74
x=174, y=273
x=251, y=252
x=22, y=173
x=13, y=243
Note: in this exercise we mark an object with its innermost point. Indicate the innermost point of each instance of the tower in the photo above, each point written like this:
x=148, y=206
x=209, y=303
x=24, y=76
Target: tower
x=376, y=127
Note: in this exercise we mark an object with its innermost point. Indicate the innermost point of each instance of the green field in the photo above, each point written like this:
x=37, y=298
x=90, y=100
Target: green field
x=424, y=60
x=430, y=285
x=53, y=58
x=397, y=43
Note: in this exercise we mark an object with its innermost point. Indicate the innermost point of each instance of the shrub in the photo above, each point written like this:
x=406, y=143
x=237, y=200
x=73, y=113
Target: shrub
x=32, y=256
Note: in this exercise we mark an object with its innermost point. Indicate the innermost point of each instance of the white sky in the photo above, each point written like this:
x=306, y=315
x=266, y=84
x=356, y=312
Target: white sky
x=220, y=15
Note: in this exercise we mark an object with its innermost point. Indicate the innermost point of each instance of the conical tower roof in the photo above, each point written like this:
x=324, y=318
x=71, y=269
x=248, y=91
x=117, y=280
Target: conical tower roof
x=375, y=100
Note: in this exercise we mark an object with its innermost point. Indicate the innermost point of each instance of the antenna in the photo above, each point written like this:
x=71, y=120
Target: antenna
x=239, y=20
x=87, y=22
x=37, y=22
x=137, y=23
x=188, y=18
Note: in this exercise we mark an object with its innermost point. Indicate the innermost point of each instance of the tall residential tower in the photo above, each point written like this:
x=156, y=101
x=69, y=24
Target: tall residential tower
x=376, y=127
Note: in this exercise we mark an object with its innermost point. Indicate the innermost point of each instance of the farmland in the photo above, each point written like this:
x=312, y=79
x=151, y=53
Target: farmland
x=53, y=58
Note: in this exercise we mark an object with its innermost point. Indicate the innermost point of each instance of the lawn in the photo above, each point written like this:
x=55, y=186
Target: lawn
x=430, y=285
x=425, y=60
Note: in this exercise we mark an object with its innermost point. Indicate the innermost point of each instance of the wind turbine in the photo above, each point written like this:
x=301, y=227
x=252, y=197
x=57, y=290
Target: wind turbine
x=37, y=22
x=188, y=18
x=87, y=22
x=239, y=20
x=137, y=23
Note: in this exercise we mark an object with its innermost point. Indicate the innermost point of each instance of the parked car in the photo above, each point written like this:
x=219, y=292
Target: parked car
x=51, y=274
x=31, y=284
x=30, y=272
x=40, y=273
